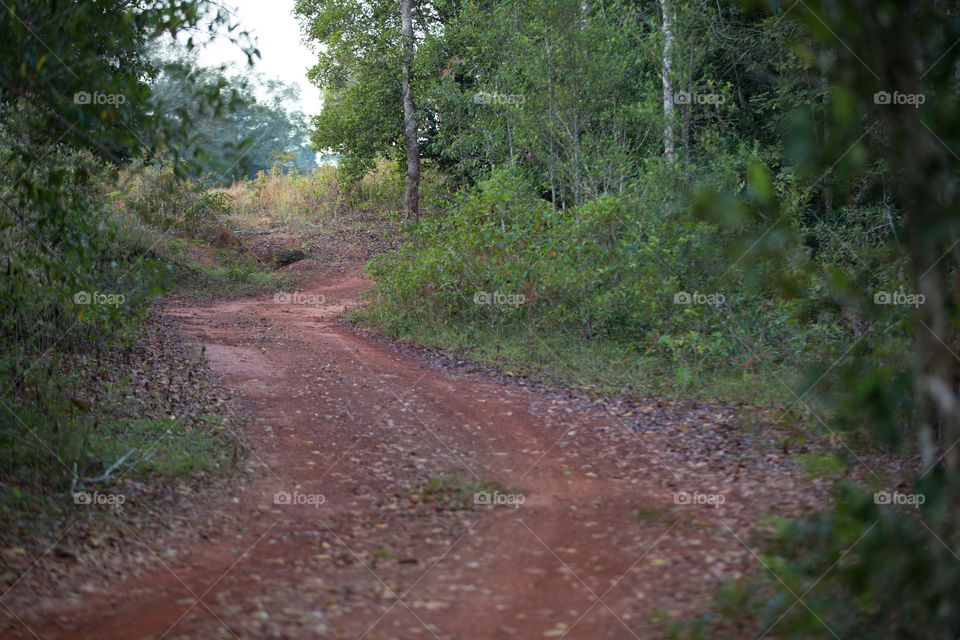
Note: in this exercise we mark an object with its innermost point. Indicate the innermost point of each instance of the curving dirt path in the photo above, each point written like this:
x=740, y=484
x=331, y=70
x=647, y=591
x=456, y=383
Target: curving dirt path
x=396, y=443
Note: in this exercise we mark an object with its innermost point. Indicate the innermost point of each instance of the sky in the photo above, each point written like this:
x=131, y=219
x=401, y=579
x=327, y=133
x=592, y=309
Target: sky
x=277, y=34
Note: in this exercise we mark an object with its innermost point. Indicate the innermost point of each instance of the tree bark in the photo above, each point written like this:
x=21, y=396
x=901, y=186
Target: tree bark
x=667, y=75
x=936, y=373
x=411, y=195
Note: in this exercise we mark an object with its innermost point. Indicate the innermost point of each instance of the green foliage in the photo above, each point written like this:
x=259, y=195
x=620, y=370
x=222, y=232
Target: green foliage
x=566, y=93
x=51, y=255
x=569, y=91
x=171, y=448
x=80, y=269
x=454, y=493
x=862, y=570
x=86, y=68
x=821, y=465
x=635, y=272
x=198, y=282
x=357, y=71
x=73, y=91
x=859, y=570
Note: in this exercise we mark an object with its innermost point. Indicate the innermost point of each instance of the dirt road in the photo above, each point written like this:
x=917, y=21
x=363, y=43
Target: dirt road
x=397, y=496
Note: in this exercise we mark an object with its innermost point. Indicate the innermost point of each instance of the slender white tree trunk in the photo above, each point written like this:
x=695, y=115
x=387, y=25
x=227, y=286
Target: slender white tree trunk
x=411, y=195
x=667, y=75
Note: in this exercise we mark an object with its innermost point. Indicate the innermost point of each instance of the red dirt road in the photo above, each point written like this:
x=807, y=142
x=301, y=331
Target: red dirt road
x=360, y=519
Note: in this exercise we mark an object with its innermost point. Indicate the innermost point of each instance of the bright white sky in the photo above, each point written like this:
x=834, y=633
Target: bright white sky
x=277, y=35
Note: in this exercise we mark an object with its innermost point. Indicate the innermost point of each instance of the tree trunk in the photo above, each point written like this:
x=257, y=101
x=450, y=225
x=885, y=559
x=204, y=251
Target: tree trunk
x=667, y=74
x=935, y=368
x=411, y=195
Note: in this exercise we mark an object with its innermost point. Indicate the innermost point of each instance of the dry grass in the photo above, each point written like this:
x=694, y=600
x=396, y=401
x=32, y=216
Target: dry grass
x=292, y=199
x=310, y=201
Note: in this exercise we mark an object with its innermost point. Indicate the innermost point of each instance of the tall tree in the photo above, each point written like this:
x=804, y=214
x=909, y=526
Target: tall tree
x=362, y=55
x=558, y=87
x=667, y=73
x=411, y=195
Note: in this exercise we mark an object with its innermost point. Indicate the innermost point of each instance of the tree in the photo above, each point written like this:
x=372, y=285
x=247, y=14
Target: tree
x=560, y=88
x=362, y=54
x=87, y=67
x=411, y=196
x=667, y=74
x=74, y=92
x=240, y=139
x=75, y=100
x=891, y=70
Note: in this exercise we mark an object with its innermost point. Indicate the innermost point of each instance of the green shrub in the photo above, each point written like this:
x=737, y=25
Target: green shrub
x=860, y=571
x=615, y=270
x=162, y=200
x=82, y=267
x=64, y=243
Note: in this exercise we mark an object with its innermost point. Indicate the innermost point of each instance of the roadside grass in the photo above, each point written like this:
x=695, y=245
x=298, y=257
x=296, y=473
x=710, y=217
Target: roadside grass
x=595, y=367
x=319, y=200
x=169, y=448
x=26, y=513
x=226, y=274
x=198, y=282
x=143, y=414
x=150, y=451
x=649, y=513
x=822, y=465
x=161, y=454
x=159, y=410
